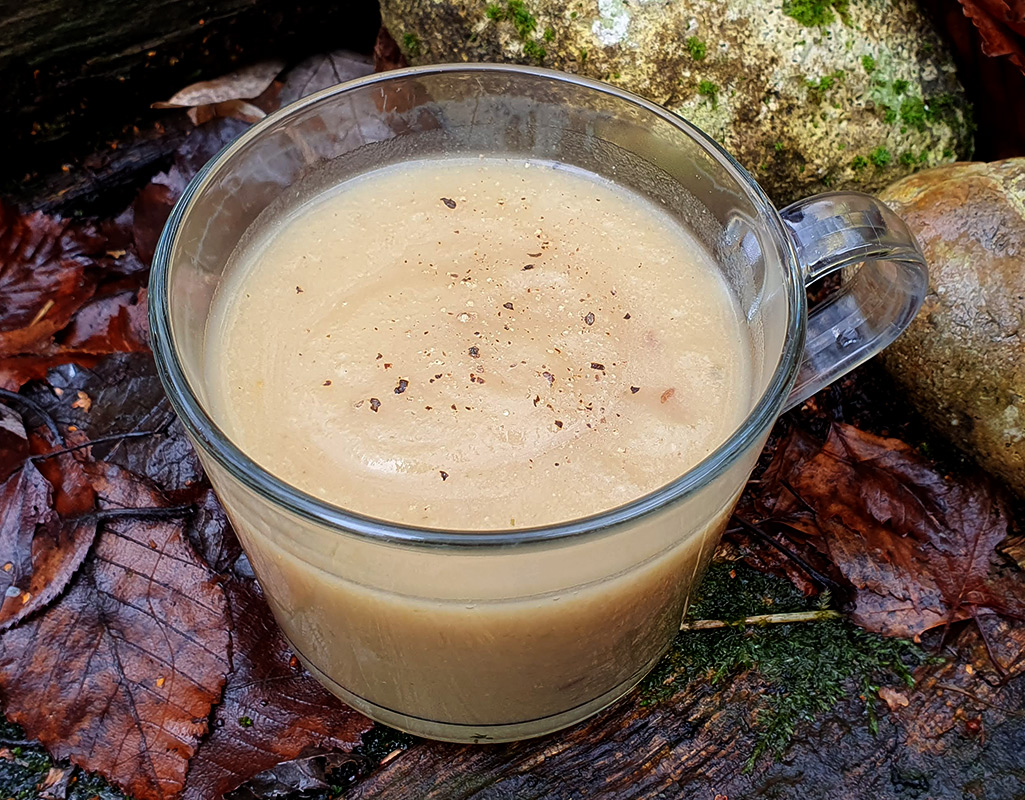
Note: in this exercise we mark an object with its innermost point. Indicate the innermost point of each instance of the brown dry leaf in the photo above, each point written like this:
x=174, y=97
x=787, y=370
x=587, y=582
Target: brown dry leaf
x=320, y=72
x=272, y=709
x=893, y=698
x=1001, y=26
x=225, y=96
x=308, y=774
x=919, y=550
x=151, y=209
x=114, y=323
x=41, y=546
x=43, y=277
x=387, y=55
x=120, y=676
x=13, y=442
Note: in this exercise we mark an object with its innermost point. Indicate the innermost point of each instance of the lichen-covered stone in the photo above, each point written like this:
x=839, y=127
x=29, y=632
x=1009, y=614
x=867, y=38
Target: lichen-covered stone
x=963, y=358
x=807, y=94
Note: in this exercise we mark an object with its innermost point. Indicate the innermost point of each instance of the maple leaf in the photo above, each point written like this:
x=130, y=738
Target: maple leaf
x=919, y=550
x=121, y=674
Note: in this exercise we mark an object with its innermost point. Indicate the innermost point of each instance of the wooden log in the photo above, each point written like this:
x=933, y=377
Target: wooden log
x=959, y=737
x=76, y=77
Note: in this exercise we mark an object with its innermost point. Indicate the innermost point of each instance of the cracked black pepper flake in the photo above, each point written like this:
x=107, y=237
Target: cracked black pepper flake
x=448, y=201
x=474, y=351
x=444, y=475
x=626, y=316
x=533, y=255
x=507, y=305
x=403, y=383
x=327, y=383
x=528, y=266
x=387, y=365
x=635, y=389
x=374, y=404
x=379, y=356
x=558, y=424
x=548, y=377
x=298, y=289
x=589, y=318
x=596, y=365
x=537, y=399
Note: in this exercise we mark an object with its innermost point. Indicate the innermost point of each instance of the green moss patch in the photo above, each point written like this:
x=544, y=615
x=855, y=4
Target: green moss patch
x=709, y=90
x=411, y=44
x=697, y=48
x=817, y=13
x=808, y=667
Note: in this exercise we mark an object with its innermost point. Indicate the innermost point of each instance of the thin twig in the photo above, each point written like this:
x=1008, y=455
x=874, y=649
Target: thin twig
x=813, y=573
x=114, y=437
x=8, y=742
x=34, y=407
x=1010, y=712
x=155, y=512
x=761, y=619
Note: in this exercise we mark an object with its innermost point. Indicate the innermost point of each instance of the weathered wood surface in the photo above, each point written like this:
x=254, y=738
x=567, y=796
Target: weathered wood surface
x=76, y=78
x=944, y=744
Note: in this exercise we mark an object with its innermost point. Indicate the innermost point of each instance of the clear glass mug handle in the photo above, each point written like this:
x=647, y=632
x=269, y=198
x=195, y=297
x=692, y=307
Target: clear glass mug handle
x=881, y=292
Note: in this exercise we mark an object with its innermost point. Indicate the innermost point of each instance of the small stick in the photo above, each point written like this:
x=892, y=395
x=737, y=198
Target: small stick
x=31, y=405
x=813, y=573
x=114, y=437
x=9, y=742
x=155, y=512
x=761, y=619
x=1010, y=712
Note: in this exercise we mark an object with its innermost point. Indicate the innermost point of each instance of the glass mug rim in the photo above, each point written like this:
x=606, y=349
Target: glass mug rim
x=323, y=513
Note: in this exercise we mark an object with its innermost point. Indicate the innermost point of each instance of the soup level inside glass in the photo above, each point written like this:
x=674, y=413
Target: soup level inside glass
x=478, y=344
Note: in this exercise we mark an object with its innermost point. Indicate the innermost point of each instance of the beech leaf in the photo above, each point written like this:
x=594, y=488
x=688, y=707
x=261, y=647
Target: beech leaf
x=120, y=676
x=272, y=709
x=242, y=84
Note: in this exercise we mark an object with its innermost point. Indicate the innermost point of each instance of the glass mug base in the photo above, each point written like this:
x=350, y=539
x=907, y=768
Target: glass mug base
x=477, y=733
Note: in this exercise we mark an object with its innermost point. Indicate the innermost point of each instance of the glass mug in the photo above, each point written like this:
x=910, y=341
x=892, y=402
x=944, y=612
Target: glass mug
x=499, y=635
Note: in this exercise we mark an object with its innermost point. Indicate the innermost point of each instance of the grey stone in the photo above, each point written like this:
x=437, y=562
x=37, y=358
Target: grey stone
x=963, y=358
x=862, y=96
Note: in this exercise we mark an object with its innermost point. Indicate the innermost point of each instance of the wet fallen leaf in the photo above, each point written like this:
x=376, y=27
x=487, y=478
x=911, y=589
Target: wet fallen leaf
x=272, y=709
x=1001, y=26
x=13, y=442
x=321, y=71
x=41, y=546
x=918, y=550
x=114, y=323
x=310, y=772
x=82, y=676
x=56, y=784
x=151, y=209
x=387, y=55
x=127, y=398
x=43, y=278
x=226, y=96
